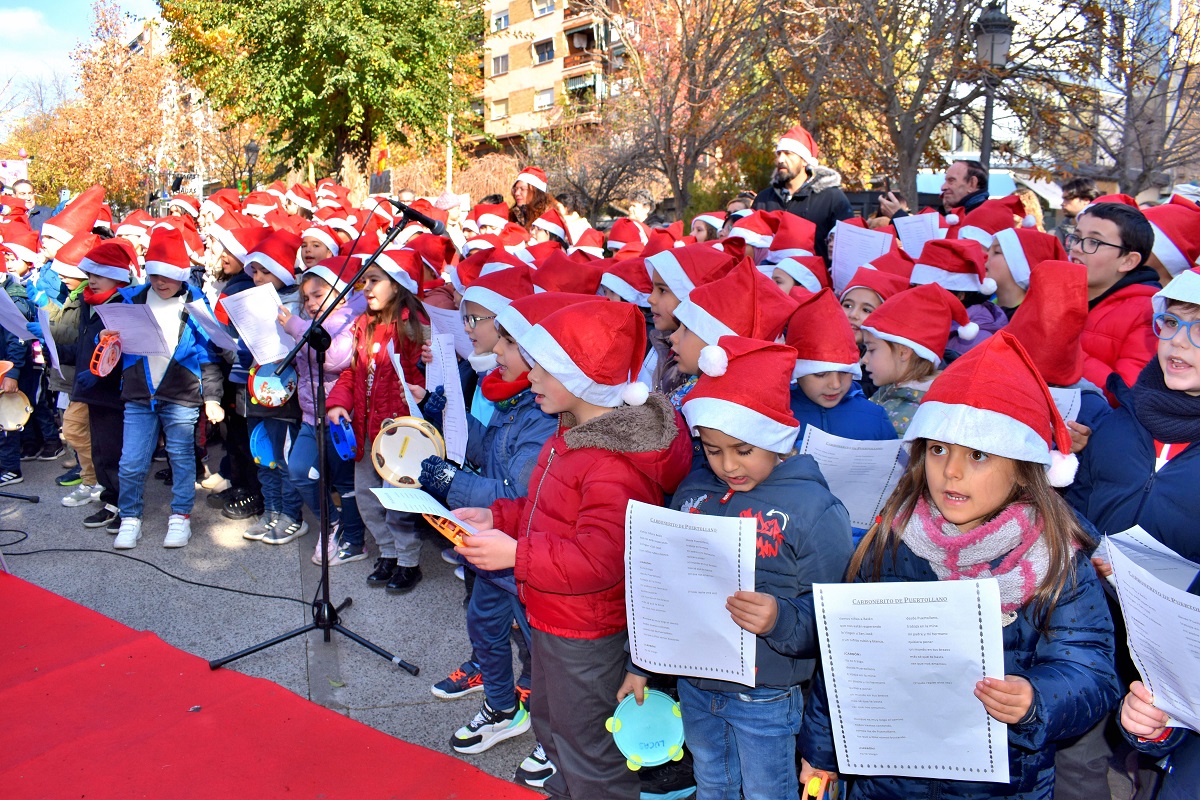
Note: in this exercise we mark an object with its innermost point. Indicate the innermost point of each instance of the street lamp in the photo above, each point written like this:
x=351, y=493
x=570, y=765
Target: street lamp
x=993, y=36
x=251, y=159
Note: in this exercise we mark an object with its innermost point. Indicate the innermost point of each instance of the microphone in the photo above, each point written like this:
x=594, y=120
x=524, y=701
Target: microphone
x=435, y=227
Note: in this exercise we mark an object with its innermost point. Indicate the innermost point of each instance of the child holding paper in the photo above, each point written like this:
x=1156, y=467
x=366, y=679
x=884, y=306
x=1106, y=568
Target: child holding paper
x=977, y=502
x=743, y=738
x=369, y=392
x=1147, y=730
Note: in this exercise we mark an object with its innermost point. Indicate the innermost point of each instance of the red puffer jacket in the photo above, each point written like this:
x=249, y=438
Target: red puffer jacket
x=1117, y=336
x=570, y=530
x=369, y=388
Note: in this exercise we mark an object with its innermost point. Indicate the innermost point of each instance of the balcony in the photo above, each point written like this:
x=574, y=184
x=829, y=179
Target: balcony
x=585, y=61
x=579, y=14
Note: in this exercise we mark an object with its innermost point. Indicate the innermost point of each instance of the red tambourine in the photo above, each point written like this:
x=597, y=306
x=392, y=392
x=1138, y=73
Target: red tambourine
x=106, y=355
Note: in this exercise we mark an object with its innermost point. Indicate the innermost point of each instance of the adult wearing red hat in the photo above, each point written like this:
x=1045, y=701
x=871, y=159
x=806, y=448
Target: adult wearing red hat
x=530, y=197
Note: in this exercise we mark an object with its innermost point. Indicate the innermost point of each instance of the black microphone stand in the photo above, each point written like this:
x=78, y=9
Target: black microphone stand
x=325, y=615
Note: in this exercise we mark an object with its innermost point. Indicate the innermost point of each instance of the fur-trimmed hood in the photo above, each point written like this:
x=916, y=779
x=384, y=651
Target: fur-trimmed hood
x=822, y=178
x=643, y=434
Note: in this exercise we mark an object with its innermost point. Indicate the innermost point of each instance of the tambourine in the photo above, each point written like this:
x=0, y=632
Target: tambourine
x=15, y=410
x=269, y=388
x=344, y=443
x=107, y=355
x=649, y=734
x=447, y=528
x=402, y=444
x=261, y=449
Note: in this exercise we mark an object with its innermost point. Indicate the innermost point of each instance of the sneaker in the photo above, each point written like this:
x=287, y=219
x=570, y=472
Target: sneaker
x=72, y=477
x=524, y=690
x=10, y=478
x=216, y=483
x=128, y=535
x=404, y=580
x=460, y=572
x=331, y=546
x=179, y=531
x=101, y=518
x=536, y=769
x=465, y=680
x=285, y=529
x=384, y=569
x=51, y=451
x=449, y=556
x=82, y=495
x=114, y=525
x=346, y=553
x=259, y=529
x=165, y=475
x=243, y=506
x=219, y=499
x=30, y=453
x=488, y=727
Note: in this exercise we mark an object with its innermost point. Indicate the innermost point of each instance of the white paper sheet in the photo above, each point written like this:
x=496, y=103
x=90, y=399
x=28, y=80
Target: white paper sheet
x=254, y=314
x=449, y=321
x=51, y=345
x=1155, y=557
x=679, y=570
x=901, y=662
x=414, y=410
x=1068, y=401
x=915, y=230
x=443, y=371
x=852, y=247
x=137, y=328
x=1163, y=624
x=11, y=318
x=216, y=334
x=862, y=474
x=415, y=501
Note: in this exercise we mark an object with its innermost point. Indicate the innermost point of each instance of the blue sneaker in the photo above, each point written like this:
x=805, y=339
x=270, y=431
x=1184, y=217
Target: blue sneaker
x=465, y=680
x=72, y=477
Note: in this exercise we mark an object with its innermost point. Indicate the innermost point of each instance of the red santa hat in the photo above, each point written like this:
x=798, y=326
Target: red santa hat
x=992, y=399
x=79, y=216
x=303, y=196
x=535, y=255
x=220, y=203
x=685, y=268
x=404, y=267
x=71, y=255
x=105, y=218
x=921, y=318
x=22, y=242
x=1050, y=320
x=884, y=284
x=278, y=189
x=332, y=195
x=111, y=258
x=799, y=141
x=534, y=176
x=744, y=391
x=279, y=220
x=560, y=273
x=955, y=264
x=743, y=302
x=1122, y=199
x=822, y=337
x=1183, y=288
x=992, y=216
x=758, y=228
x=897, y=262
x=435, y=251
x=1025, y=248
x=491, y=215
x=519, y=316
x=552, y=222
x=239, y=242
x=277, y=254
x=1176, y=236
x=794, y=237
x=491, y=259
x=337, y=272
x=713, y=219
x=589, y=241
x=259, y=204
x=626, y=231
x=167, y=255
x=427, y=208
x=1179, y=200
x=185, y=203
x=338, y=220
x=497, y=289
x=627, y=277
x=807, y=271
x=187, y=229
x=324, y=235
x=594, y=350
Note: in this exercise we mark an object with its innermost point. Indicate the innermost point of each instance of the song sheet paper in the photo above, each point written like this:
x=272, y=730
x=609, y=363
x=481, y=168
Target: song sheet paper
x=254, y=313
x=852, y=247
x=862, y=474
x=136, y=327
x=443, y=371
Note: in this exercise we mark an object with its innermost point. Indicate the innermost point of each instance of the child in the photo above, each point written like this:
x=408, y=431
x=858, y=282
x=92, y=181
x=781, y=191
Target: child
x=807, y=272
x=566, y=540
x=496, y=290
x=317, y=243
x=905, y=339
x=22, y=375
x=165, y=393
x=369, y=392
x=958, y=265
x=1010, y=259
x=744, y=737
x=1147, y=730
x=977, y=501
x=866, y=291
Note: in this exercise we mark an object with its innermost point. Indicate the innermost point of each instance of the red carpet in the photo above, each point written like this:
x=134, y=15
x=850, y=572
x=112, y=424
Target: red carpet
x=92, y=709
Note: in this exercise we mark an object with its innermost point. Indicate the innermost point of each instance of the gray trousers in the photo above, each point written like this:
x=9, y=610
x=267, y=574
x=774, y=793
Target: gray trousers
x=1081, y=765
x=395, y=533
x=575, y=684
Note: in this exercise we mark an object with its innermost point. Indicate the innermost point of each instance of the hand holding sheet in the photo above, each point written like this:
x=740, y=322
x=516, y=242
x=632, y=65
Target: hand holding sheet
x=253, y=312
x=137, y=328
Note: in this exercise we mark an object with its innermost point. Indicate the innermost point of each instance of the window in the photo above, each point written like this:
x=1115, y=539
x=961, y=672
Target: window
x=477, y=108
x=499, y=109
x=543, y=100
x=500, y=20
x=500, y=64
x=543, y=52
x=543, y=7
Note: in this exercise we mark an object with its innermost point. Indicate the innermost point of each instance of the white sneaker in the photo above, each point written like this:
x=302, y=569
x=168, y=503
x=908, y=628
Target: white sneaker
x=179, y=531
x=216, y=483
x=332, y=545
x=82, y=495
x=128, y=535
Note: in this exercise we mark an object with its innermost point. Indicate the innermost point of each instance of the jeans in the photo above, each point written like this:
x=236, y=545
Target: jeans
x=278, y=491
x=340, y=478
x=743, y=743
x=142, y=426
x=490, y=617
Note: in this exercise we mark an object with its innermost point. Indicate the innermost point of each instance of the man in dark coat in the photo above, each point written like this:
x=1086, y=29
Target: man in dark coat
x=37, y=214
x=965, y=186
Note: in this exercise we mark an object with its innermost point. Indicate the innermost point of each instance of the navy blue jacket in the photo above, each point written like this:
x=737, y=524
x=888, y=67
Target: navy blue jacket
x=855, y=417
x=192, y=377
x=88, y=387
x=803, y=538
x=1071, y=670
x=1093, y=405
x=11, y=346
x=1182, y=750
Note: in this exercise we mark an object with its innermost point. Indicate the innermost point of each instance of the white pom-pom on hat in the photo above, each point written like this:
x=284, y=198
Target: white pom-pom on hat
x=635, y=394
x=1061, y=472
x=952, y=219
x=1030, y=221
x=987, y=286
x=713, y=361
x=969, y=331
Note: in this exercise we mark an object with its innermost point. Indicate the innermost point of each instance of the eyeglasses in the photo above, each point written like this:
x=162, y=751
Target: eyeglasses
x=470, y=320
x=1167, y=326
x=1090, y=245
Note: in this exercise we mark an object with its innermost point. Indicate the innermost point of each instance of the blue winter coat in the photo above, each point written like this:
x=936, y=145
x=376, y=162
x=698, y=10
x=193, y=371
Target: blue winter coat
x=1116, y=486
x=803, y=538
x=1093, y=405
x=1071, y=670
x=192, y=376
x=855, y=417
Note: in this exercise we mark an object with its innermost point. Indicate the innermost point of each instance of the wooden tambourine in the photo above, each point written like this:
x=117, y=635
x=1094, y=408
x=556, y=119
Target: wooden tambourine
x=15, y=410
x=269, y=388
x=649, y=734
x=402, y=444
x=107, y=355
